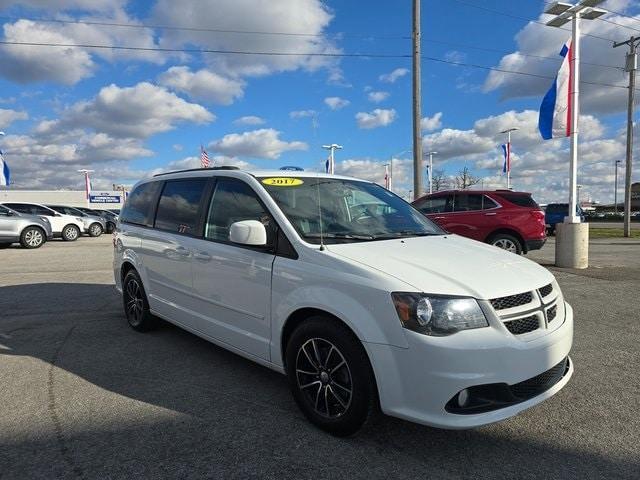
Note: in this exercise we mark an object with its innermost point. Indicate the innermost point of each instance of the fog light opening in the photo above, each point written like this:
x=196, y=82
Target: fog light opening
x=463, y=398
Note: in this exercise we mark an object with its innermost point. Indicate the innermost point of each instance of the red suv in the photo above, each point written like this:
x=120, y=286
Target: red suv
x=509, y=220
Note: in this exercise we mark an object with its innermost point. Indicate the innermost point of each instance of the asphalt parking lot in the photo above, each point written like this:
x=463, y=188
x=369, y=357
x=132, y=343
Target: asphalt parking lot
x=84, y=396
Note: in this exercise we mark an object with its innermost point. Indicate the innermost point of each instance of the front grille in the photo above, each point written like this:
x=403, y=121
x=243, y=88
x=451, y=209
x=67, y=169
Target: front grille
x=551, y=313
x=540, y=383
x=512, y=301
x=546, y=290
x=523, y=325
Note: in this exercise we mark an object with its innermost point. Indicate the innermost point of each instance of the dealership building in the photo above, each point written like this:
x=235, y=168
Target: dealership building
x=109, y=199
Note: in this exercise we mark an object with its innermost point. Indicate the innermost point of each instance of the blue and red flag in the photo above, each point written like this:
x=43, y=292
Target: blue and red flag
x=5, y=173
x=506, y=150
x=555, y=111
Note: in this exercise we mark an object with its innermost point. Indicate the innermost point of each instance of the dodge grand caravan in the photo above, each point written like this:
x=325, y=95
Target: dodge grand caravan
x=360, y=308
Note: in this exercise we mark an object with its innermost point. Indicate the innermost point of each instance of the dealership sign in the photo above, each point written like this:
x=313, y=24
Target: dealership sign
x=104, y=198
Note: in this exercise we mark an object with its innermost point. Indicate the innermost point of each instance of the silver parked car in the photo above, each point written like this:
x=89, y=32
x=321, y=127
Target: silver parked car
x=30, y=231
x=94, y=225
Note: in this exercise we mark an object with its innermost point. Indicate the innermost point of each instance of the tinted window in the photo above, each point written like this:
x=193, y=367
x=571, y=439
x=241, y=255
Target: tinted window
x=4, y=211
x=179, y=206
x=557, y=208
x=30, y=209
x=234, y=201
x=435, y=204
x=467, y=202
x=520, y=200
x=68, y=211
x=139, y=206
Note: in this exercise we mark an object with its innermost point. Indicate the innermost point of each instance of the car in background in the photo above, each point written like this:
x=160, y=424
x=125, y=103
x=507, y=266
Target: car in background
x=555, y=213
x=109, y=217
x=29, y=230
x=67, y=227
x=93, y=225
x=506, y=219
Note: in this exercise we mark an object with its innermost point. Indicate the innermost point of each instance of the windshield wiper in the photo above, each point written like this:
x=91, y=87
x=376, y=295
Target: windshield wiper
x=347, y=236
x=405, y=233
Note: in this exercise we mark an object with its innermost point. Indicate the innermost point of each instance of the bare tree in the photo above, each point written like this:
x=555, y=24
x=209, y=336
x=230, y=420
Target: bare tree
x=440, y=180
x=465, y=179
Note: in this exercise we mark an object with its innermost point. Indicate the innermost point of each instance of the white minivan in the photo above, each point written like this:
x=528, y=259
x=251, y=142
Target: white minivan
x=361, y=308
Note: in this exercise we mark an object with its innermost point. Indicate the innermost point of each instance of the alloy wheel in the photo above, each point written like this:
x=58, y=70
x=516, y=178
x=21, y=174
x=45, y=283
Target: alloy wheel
x=33, y=238
x=506, y=244
x=96, y=230
x=134, y=305
x=324, y=377
x=71, y=233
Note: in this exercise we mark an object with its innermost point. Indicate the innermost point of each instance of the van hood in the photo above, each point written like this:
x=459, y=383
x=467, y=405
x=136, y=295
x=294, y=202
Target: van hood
x=448, y=265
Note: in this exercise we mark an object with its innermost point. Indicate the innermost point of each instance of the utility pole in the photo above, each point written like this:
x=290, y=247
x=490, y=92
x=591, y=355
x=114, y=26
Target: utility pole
x=615, y=189
x=631, y=67
x=417, y=133
x=332, y=161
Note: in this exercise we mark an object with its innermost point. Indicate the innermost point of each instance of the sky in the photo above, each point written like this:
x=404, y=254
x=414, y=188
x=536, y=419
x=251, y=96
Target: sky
x=304, y=73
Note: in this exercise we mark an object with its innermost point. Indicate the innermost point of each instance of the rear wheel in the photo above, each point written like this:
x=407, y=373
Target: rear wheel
x=70, y=233
x=330, y=376
x=95, y=230
x=506, y=242
x=136, y=307
x=32, y=237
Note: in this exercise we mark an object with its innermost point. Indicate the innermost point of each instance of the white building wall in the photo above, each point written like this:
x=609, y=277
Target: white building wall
x=71, y=198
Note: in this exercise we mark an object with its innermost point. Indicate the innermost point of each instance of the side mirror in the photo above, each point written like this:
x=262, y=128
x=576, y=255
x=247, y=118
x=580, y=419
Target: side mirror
x=248, y=232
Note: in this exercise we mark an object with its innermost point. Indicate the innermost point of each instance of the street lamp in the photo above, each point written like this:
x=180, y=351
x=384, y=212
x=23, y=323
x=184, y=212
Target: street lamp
x=431, y=154
x=332, y=164
x=564, y=13
x=508, y=154
x=615, y=188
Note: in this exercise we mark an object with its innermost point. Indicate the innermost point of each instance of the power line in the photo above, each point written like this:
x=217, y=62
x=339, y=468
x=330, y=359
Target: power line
x=203, y=29
x=289, y=54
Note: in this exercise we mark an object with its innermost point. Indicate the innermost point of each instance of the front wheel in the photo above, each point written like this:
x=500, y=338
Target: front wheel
x=95, y=230
x=32, y=237
x=330, y=376
x=506, y=242
x=70, y=233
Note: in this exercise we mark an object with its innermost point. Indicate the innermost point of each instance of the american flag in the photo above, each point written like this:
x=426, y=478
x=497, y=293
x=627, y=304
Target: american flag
x=204, y=158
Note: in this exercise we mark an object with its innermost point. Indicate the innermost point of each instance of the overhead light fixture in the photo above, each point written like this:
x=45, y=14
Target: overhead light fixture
x=593, y=13
x=556, y=8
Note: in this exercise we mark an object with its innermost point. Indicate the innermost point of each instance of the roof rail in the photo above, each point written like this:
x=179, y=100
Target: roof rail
x=224, y=167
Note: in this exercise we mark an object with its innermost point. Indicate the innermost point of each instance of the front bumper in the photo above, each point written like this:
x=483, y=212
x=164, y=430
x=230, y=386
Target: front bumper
x=418, y=382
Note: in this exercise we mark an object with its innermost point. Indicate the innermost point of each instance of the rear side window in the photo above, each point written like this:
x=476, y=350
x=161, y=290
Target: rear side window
x=179, y=206
x=435, y=204
x=30, y=209
x=520, y=200
x=469, y=202
x=234, y=201
x=139, y=207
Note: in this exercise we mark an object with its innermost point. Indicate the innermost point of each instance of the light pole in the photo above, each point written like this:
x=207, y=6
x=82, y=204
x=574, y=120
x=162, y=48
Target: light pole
x=431, y=154
x=615, y=189
x=417, y=103
x=564, y=13
x=572, y=242
x=87, y=184
x=332, y=163
x=508, y=154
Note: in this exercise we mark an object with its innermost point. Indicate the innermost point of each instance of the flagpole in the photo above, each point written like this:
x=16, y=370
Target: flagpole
x=574, y=96
x=509, y=160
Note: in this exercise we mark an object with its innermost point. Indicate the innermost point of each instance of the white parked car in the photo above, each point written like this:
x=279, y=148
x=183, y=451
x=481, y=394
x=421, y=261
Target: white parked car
x=92, y=225
x=64, y=226
x=363, y=310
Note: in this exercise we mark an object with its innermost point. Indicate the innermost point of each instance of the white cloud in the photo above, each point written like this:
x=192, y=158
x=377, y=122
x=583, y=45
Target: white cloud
x=60, y=5
x=431, y=123
x=378, y=118
x=377, y=96
x=394, y=75
x=336, y=103
x=250, y=120
x=203, y=85
x=194, y=162
x=373, y=169
x=7, y=117
x=262, y=143
x=302, y=114
x=139, y=111
x=310, y=17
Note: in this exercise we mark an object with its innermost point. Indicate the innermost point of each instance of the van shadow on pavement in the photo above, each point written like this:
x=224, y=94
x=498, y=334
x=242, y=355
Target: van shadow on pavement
x=117, y=403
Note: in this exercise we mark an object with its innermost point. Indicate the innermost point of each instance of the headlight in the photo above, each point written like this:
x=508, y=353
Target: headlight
x=438, y=316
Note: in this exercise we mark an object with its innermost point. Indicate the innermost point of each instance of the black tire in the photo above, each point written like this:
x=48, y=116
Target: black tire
x=111, y=227
x=32, y=237
x=506, y=242
x=95, y=230
x=337, y=412
x=70, y=233
x=136, y=306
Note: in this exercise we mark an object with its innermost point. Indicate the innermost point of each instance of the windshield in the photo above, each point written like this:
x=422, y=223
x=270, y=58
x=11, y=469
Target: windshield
x=348, y=210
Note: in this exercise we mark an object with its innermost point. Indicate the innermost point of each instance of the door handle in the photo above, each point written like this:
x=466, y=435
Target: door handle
x=438, y=218
x=490, y=214
x=202, y=256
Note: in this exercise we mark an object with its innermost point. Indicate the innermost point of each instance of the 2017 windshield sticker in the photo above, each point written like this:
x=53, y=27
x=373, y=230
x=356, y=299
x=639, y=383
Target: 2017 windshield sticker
x=283, y=181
